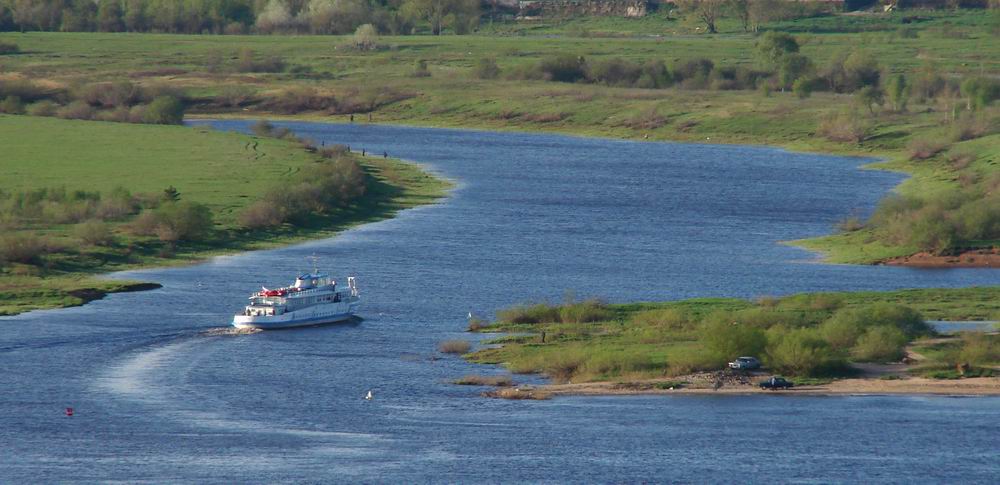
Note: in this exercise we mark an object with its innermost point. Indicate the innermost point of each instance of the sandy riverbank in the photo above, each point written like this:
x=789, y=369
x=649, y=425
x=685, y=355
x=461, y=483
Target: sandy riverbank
x=978, y=386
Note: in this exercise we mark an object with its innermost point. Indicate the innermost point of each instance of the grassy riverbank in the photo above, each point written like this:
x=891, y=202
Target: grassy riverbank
x=808, y=336
x=450, y=81
x=80, y=234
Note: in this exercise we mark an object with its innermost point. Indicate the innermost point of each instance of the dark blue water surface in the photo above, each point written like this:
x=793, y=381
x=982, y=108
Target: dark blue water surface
x=157, y=399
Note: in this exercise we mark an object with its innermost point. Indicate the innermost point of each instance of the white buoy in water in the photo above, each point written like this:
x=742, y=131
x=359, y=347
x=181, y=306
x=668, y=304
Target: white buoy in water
x=369, y=396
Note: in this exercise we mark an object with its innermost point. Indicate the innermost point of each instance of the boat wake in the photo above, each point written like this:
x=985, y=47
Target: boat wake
x=158, y=378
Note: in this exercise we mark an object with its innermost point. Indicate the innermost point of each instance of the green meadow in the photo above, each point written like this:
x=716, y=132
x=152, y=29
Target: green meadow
x=434, y=81
x=219, y=170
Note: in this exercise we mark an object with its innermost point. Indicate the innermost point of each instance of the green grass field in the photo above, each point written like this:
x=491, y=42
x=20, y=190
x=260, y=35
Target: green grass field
x=209, y=167
x=957, y=43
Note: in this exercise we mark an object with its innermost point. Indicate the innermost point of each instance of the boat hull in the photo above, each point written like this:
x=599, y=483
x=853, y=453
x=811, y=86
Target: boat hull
x=289, y=320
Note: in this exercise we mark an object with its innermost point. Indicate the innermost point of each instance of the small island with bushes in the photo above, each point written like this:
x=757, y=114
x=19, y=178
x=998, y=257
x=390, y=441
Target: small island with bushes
x=858, y=342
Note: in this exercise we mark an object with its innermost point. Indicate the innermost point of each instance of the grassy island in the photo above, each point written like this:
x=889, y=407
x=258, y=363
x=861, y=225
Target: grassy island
x=80, y=198
x=810, y=337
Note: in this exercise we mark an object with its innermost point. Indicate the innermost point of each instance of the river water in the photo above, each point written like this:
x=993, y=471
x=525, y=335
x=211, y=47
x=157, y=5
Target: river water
x=158, y=398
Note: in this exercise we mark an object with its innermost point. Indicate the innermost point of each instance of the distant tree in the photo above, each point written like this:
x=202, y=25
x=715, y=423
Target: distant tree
x=109, y=16
x=706, y=11
x=861, y=69
x=441, y=13
x=728, y=340
x=335, y=16
x=276, y=16
x=761, y=11
x=803, y=87
x=869, y=97
x=741, y=8
x=979, y=92
x=792, y=67
x=898, y=91
x=772, y=46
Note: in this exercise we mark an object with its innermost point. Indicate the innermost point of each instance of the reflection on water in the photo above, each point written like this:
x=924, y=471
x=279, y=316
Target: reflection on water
x=162, y=393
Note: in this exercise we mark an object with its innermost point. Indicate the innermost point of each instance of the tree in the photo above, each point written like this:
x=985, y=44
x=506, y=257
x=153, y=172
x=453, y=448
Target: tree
x=803, y=87
x=760, y=11
x=706, y=11
x=869, y=97
x=792, y=67
x=898, y=91
x=979, y=92
x=742, y=10
x=441, y=13
x=772, y=46
x=109, y=16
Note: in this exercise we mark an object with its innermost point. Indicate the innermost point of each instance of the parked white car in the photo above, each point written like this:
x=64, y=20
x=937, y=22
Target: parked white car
x=745, y=363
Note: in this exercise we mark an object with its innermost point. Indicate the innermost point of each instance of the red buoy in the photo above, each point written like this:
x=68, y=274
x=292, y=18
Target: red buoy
x=69, y=411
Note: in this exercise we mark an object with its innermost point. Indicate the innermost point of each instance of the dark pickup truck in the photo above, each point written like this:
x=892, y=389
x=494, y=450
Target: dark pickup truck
x=775, y=383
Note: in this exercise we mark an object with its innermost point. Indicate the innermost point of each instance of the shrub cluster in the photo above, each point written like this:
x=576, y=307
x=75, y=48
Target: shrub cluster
x=797, y=344
x=105, y=101
x=174, y=221
x=571, y=312
x=938, y=223
x=318, y=189
x=58, y=206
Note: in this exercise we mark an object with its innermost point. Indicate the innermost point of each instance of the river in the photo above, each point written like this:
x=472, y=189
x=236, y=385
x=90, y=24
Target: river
x=158, y=398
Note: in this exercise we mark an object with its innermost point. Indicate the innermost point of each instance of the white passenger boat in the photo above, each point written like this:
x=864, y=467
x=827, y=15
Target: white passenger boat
x=312, y=300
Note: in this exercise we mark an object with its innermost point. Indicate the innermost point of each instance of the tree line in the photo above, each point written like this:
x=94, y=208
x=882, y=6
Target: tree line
x=239, y=16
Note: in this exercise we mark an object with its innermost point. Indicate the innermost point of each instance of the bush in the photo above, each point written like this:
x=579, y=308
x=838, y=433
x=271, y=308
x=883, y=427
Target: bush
x=43, y=108
x=164, y=110
x=584, y=312
x=727, y=340
x=261, y=215
x=486, y=68
x=94, y=232
x=802, y=87
x=901, y=317
x=881, y=344
x=12, y=105
x=7, y=47
x=247, y=62
x=77, y=110
x=175, y=221
x=365, y=37
x=800, y=352
x=843, y=330
x=420, y=69
x=614, y=72
x=923, y=148
x=844, y=128
x=537, y=313
x=455, y=347
x=978, y=349
x=772, y=46
x=21, y=248
x=565, y=68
